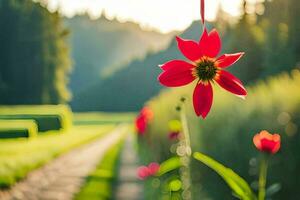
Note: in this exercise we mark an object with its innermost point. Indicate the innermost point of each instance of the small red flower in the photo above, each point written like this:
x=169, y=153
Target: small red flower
x=142, y=120
x=174, y=135
x=147, y=171
x=205, y=67
x=147, y=113
x=141, y=124
x=266, y=142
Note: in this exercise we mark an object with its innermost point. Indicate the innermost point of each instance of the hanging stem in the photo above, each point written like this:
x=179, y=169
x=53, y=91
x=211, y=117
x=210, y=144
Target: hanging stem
x=202, y=8
x=262, y=178
x=186, y=156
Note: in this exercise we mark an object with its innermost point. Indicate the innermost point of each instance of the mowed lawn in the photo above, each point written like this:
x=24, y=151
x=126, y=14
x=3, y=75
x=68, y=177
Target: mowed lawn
x=20, y=156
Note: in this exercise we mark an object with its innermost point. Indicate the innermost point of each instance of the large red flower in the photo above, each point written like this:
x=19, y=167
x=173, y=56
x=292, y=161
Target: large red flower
x=205, y=67
x=266, y=142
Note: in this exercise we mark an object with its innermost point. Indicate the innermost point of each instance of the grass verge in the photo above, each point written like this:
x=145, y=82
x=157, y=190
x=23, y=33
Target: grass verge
x=99, y=183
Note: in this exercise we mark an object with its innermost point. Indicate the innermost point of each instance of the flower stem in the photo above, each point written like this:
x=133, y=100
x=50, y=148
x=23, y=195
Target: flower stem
x=186, y=131
x=186, y=157
x=262, y=178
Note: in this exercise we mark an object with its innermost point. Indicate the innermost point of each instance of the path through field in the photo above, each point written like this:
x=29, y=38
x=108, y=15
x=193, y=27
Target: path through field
x=129, y=187
x=62, y=178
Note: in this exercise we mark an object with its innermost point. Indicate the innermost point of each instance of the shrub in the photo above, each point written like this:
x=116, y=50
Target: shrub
x=48, y=117
x=17, y=128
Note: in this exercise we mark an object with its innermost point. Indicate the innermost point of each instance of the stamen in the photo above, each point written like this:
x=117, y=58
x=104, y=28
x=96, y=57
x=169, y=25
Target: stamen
x=206, y=69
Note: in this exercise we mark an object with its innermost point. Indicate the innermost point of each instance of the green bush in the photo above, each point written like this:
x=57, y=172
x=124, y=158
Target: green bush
x=17, y=128
x=48, y=117
x=227, y=133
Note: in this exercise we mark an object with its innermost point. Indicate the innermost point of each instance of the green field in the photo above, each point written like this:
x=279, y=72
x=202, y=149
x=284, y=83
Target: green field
x=97, y=118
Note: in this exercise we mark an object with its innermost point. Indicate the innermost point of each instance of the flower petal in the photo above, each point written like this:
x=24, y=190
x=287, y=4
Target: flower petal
x=230, y=83
x=173, y=64
x=210, y=44
x=227, y=60
x=203, y=98
x=177, y=76
x=189, y=48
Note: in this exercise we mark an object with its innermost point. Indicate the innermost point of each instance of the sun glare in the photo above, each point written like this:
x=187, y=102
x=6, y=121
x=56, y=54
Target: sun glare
x=164, y=15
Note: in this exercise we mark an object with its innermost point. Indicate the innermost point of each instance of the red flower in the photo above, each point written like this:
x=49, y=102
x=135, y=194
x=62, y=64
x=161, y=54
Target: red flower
x=205, y=68
x=147, y=171
x=141, y=124
x=174, y=135
x=147, y=113
x=266, y=142
x=143, y=119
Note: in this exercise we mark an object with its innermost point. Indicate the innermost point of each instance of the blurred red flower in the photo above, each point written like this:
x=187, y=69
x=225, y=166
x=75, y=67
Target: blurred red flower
x=204, y=67
x=142, y=120
x=266, y=142
x=147, y=113
x=147, y=171
x=174, y=135
x=141, y=124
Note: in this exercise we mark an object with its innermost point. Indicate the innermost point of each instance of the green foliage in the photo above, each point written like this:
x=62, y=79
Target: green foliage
x=227, y=132
x=169, y=165
x=98, y=185
x=34, y=55
x=20, y=156
x=238, y=185
x=47, y=117
x=18, y=128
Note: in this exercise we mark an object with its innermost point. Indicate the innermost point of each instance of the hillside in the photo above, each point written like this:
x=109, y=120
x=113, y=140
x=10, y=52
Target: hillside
x=102, y=46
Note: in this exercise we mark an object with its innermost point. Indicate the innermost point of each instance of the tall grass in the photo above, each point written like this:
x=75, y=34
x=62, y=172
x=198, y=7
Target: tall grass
x=227, y=132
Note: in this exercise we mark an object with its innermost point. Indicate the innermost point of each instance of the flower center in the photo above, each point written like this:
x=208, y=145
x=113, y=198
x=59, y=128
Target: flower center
x=206, y=69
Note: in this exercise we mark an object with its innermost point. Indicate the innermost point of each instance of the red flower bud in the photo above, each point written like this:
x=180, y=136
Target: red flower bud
x=266, y=142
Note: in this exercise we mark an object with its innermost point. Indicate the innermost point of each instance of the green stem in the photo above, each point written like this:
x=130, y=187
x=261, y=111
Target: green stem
x=186, y=131
x=262, y=178
x=186, y=158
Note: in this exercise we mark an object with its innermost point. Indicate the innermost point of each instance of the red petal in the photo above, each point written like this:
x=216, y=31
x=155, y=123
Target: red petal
x=227, y=60
x=173, y=64
x=189, y=48
x=203, y=98
x=177, y=76
x=231, y=83
x=257, y=142
x=210, y=44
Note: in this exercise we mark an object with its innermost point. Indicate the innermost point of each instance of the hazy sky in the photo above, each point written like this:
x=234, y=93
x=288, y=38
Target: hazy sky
x=165, y=15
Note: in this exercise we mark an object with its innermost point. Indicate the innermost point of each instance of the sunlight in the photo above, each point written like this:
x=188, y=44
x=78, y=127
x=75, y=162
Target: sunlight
x=164, y=15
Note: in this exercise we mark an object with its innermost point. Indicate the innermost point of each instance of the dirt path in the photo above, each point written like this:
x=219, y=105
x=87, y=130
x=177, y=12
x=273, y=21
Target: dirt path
x=129, y=186
x=63, y=177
